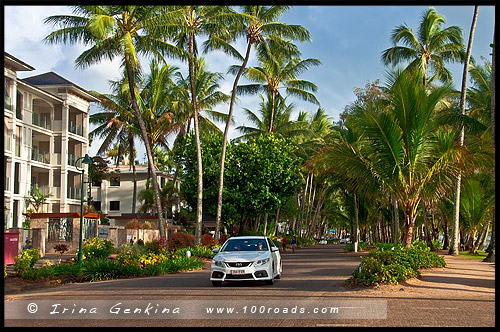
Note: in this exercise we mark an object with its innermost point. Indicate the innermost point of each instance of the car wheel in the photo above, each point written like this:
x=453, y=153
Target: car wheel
x=217, y=283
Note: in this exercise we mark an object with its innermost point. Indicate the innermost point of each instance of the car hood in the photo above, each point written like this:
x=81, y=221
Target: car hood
x=242, y=256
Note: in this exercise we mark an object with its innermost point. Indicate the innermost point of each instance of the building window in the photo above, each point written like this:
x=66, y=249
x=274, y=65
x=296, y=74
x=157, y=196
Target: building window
x=114, y=205
x=114, y=180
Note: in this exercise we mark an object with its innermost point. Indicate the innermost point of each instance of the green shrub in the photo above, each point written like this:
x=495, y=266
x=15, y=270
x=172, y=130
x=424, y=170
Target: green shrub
x=393, y=265
x=202, y=252
x=361, y=246
x=97, y=248
x=130, y=251
x=26, y=260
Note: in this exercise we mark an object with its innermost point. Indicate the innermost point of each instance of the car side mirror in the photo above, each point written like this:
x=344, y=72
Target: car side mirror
x=274, y=249
x=216, y=250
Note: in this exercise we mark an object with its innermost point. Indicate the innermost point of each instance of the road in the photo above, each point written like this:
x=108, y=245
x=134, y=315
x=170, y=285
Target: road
x=313, y=277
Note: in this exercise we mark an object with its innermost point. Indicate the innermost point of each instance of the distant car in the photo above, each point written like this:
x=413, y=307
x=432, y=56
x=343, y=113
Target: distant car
x=245, y=258
x=344, y=240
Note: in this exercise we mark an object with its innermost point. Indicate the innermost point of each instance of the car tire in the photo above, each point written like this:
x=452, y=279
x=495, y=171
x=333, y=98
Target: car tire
x=216, y=283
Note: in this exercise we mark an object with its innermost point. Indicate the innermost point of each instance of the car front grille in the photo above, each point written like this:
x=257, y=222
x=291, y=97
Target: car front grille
x=238, y=264
x=239, y=276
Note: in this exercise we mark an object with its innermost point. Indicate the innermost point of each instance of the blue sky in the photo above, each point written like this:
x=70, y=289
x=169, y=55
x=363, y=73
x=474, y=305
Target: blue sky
x=348, y=40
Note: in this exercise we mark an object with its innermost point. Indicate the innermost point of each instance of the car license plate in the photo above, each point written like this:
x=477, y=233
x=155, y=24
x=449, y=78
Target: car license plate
x=239, y=272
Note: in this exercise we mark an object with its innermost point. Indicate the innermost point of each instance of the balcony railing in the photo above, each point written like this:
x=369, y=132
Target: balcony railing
x=41, y=156
x=74, y=193
x=44, y=190
x=40, y=121
x=75, y=128
x=6, y=142
x=7, y=103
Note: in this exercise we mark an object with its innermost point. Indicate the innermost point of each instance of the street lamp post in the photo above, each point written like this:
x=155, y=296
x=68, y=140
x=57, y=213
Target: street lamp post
x=86, y=160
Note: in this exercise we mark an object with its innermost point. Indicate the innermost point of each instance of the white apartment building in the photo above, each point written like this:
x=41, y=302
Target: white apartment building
x=46, y=121
x=113, y=196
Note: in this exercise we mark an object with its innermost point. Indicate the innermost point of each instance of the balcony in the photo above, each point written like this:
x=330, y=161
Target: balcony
x=74, y=193
x=7, y=103
x=44, y=190
x=41, y=121
x=40, y=156
x=6, y=142
x=75, y=128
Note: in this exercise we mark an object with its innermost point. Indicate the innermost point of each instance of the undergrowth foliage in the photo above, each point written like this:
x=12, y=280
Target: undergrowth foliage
x=392, y=264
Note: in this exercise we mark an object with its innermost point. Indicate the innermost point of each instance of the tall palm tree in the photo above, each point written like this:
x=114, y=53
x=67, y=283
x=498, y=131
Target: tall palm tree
x=399, y=148
x=491, y=246
x=192, y=22
x=261, y=119
x=430, y=48
x=256, y=23
x=463, y=96
x=125, y=32
x=279, y=71
x=117, y=123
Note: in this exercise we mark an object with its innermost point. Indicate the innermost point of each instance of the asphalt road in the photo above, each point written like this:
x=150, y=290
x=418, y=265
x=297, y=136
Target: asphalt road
x=312, y=280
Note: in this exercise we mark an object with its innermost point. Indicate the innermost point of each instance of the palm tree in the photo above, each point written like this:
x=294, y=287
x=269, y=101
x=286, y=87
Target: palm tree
x=116, y=122
x=456, y=221
x=278, y=71
x=491, y=247
x=256, y=23
x=191, y=22
x=399, y=149
x=430, y=48
x=119, y=31
x=261, y=119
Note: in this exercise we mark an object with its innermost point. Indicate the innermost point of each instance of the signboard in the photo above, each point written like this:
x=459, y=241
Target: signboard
x=332, y=231
x=103, y=232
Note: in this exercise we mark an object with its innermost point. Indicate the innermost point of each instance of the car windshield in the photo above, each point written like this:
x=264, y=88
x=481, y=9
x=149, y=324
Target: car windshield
x=246, y=245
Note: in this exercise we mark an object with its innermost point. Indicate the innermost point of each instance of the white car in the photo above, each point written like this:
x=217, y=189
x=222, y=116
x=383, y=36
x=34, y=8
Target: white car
x=244, y=258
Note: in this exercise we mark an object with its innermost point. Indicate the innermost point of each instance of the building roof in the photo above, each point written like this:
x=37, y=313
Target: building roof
x=15, y=63
x=53, y=79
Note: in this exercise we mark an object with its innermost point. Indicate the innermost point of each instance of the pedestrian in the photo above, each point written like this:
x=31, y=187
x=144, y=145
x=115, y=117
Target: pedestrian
x=283, y=242
x=294, y=243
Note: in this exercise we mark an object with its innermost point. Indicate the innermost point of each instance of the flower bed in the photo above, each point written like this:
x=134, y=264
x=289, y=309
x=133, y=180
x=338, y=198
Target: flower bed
x=130, y=261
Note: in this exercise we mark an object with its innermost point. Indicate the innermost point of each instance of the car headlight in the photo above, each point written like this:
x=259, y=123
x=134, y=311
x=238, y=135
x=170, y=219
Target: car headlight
x=219, y=263
x=262, y=261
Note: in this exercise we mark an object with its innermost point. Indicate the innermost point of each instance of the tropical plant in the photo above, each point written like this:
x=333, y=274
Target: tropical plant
x=399, y=149
x=430, y=48
x=255, y=23
x=119, y=31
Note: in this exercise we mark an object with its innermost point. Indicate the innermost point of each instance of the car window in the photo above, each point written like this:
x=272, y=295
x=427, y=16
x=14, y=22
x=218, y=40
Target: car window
x=245, y=245
x=271, y=243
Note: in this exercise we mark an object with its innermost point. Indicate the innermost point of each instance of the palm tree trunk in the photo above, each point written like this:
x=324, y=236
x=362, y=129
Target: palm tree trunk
x=149, y=152
x=302, y=207
x=456, y=221
x=491, y=246
x=132, y=163
x=396, y=220
x=273, y=101
x=199, y=205
x=224, y=144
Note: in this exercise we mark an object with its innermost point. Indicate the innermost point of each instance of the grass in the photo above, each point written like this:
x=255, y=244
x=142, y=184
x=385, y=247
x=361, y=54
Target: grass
x=481, y=254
